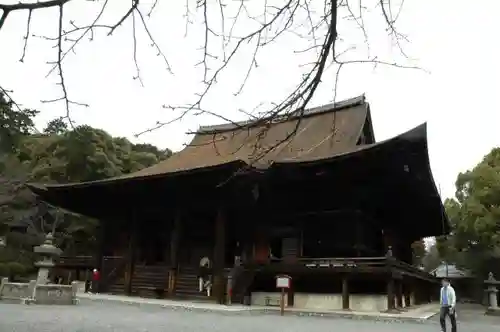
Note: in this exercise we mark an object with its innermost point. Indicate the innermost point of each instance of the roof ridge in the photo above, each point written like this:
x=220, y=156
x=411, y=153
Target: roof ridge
x=331, y=107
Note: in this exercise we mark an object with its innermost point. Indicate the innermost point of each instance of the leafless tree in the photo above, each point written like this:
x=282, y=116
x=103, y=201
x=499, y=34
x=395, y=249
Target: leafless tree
x=316, y=21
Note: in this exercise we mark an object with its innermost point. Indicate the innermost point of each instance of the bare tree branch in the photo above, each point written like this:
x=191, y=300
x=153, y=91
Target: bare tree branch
x=7, y=9
x=62, y=82
x=314, y=21
x=28, y=25
x=134, y=37
x=82, y=31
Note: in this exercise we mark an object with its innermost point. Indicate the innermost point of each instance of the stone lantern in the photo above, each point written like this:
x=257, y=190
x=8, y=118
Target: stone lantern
x=492, y=292
x=48, y=253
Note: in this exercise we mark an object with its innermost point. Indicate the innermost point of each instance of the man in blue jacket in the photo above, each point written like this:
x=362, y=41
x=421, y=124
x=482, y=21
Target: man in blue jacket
x=448, y=302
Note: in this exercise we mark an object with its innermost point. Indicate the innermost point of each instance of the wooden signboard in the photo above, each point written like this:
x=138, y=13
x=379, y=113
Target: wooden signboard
x=283, y=282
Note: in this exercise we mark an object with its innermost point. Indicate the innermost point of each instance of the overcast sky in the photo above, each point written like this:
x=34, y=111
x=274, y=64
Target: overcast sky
x=455, y=41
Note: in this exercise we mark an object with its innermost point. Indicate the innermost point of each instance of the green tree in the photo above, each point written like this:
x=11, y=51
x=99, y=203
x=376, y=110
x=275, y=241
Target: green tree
x=56, y=126
x=149, y=148
x=474, y=215
x=432, y=259
x=14, y=125
x=57, y=155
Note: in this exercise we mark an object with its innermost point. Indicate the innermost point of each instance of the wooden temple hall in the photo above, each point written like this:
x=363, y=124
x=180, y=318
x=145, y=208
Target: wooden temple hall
x=329, y=206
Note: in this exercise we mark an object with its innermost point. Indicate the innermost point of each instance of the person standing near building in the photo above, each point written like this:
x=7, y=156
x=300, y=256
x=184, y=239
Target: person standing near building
x=96, y=277
x=204, y=281
x=448, y=302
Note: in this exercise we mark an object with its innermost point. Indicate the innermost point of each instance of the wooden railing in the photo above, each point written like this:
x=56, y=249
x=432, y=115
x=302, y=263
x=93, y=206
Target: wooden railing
x=332, y=262
x=408, y=268
x=76, y=261
x=85, y=261
x=356, y=262
x=113, y=268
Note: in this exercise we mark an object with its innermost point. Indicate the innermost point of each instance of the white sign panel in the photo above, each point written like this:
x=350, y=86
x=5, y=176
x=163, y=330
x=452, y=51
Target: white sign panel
x=282, y=282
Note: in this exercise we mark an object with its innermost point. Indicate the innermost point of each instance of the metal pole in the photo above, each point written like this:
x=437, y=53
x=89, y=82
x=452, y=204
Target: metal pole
x=443, y=227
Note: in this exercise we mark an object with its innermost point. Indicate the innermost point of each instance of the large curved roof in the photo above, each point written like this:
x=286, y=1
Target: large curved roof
x=325, y=135
x=316, y=133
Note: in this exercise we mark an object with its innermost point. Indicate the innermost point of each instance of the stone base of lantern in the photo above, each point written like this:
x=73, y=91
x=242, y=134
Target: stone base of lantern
x=43, y=275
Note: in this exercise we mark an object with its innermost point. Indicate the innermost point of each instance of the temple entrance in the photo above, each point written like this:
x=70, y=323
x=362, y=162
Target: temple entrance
x=276, y=247
x=153, y=241
x=197, y=241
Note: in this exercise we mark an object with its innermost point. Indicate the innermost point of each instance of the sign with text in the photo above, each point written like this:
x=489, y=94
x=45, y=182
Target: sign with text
x=283, y=282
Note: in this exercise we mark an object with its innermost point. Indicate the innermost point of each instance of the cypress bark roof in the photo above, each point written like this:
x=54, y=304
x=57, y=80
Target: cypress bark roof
x=318, y=133
x=314, y=134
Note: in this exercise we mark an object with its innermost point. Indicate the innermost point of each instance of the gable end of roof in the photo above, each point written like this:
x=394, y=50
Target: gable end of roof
x=332, y=107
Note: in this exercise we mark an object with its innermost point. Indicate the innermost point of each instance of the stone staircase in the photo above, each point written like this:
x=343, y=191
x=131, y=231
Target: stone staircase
x=150, y=281
x=117, y=287
x=147, y=281
x=113, y=273
x=290, y=249
x=242, y=281
x=187, y=284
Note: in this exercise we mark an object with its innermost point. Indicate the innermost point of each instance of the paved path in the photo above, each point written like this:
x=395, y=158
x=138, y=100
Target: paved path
x=419, y=313
x=473, y=313
x=91, y=316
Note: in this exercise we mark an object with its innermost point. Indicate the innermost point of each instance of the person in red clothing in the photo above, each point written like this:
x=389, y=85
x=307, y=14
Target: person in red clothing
x=96, y=277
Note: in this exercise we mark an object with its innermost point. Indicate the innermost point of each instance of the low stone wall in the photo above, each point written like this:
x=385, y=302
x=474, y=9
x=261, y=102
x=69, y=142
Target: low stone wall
x=311, y=301
x=38, y=294
x=80, y=287
x=16, y=291
x=56, y=294
x=267, y=299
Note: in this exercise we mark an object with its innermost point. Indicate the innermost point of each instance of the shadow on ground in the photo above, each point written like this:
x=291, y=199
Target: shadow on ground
x=473, y=313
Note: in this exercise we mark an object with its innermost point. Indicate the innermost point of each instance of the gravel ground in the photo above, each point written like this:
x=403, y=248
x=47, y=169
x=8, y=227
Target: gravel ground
x=107, y=317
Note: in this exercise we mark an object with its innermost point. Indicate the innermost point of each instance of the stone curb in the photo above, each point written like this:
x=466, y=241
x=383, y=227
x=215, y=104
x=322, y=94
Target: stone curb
x=263, y=311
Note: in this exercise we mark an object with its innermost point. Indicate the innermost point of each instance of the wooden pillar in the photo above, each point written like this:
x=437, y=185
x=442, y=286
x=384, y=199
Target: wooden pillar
x=175, y=240
x=99, y=256
x=291, y=294
x=345, y=293
x=414, y=292
x=390, y=294
x=131, y=256
x=430, y=293
x=219, y=256
x=407, y=293
x=399, y=294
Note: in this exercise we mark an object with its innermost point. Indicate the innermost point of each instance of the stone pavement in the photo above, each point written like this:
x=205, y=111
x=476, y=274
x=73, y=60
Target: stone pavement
x=95, y=316
x=419, y=314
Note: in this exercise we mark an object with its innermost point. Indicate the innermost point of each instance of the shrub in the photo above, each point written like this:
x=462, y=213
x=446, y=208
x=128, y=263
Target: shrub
x=4, y=270
x=16, y=269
